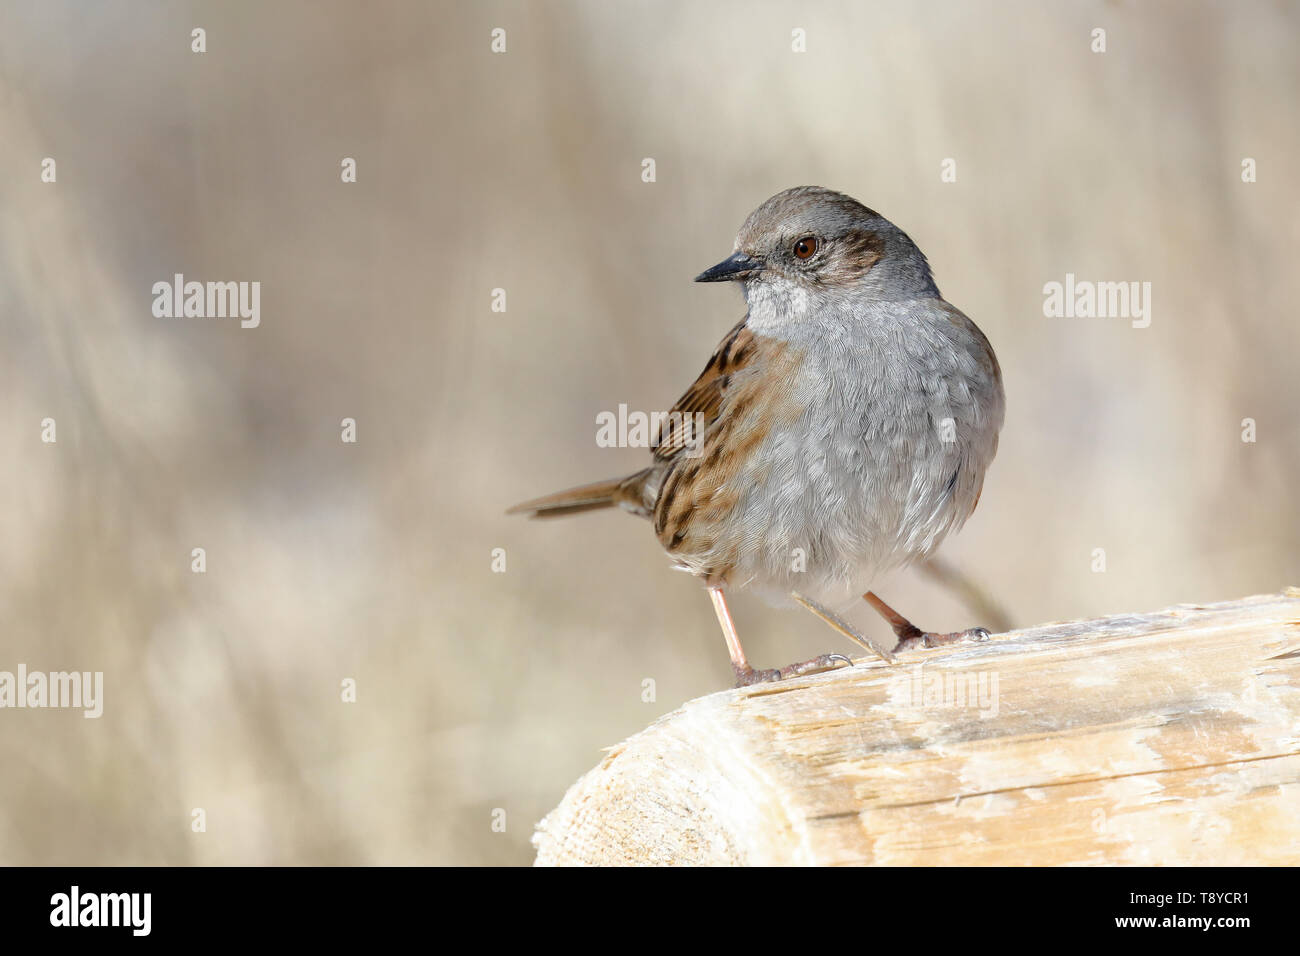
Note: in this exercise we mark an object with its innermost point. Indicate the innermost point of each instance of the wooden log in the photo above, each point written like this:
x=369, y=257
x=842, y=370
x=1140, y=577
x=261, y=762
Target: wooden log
x=1163, y=738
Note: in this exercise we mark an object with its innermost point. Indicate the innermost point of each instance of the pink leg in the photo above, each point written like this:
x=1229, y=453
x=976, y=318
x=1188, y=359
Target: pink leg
x=745, y=674
x=910, y=636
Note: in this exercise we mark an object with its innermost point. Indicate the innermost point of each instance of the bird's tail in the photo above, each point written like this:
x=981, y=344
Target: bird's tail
x=603, y=494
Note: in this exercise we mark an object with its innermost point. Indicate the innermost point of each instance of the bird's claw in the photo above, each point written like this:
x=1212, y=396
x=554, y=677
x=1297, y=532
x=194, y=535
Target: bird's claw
x=748, y=676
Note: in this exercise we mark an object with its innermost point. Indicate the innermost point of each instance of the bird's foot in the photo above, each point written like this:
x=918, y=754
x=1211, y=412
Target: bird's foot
x=747, y=675
x=918, y=638
x=910, y=636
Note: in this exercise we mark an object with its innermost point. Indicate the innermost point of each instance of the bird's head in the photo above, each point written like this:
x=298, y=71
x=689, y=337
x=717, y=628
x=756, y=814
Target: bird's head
x=810, y=240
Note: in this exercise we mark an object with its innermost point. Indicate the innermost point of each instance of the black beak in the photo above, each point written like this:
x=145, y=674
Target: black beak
x=736, y=266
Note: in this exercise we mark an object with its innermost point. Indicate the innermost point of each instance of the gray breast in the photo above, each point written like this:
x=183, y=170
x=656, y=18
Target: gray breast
x=887, y=458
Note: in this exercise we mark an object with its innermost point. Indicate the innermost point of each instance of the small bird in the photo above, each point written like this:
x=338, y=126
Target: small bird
x=841, y=429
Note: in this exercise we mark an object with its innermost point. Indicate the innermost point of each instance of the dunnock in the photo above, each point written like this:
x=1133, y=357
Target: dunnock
x=847, y=424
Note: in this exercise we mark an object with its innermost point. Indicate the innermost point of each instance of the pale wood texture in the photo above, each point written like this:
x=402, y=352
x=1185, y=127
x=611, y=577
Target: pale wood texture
x=1163, y=738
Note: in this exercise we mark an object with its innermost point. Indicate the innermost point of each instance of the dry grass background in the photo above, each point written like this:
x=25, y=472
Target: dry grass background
x=372, y=561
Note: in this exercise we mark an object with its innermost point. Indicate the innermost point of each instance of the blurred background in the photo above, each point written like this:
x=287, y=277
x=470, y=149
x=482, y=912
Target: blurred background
x=479, y=691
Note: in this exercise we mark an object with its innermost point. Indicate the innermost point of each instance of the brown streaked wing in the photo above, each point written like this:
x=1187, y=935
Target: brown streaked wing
x=704, y=397
x=698, y=494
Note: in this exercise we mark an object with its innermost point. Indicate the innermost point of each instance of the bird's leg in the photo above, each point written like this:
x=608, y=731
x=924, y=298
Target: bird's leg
x=746, y=675
x=834, y=621
x=910, y=636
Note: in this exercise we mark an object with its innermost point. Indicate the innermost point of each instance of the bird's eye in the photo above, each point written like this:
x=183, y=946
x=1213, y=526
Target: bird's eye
x=805, y=247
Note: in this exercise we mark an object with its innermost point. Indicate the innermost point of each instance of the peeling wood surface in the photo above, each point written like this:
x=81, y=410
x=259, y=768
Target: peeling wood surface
x=1163, y=738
